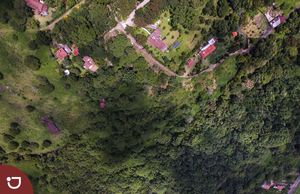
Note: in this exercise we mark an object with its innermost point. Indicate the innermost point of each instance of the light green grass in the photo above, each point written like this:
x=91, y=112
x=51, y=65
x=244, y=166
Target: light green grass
x=226, y=71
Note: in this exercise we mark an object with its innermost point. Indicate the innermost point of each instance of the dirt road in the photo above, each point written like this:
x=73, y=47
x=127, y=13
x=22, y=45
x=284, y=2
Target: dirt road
x=293, y=187
x=123, y=24
x=52, y=24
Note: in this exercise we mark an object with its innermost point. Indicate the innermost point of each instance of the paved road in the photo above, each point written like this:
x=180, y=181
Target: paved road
x=52, y=24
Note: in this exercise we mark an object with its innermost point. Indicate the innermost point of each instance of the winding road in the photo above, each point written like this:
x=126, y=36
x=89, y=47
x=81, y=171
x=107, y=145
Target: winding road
x=153, y=63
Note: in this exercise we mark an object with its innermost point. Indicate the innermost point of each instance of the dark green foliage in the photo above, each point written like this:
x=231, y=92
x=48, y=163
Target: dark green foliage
x=12, y=145
x=43, y=38
x=32, y=62
x=30, y=108
x=7, y=137
x=33, y=45
x=170, y=140
x=47, y=143
x=1, y=76
x=14, y=129
x=45, y=86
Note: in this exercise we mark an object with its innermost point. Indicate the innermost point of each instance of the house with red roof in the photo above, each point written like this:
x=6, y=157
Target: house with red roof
x=60, y=54
x=89, y=64
x=208, y=49
x=267, y=186
x=156, y=41
x=75, y=50
x=65, y=51
x=38, y=7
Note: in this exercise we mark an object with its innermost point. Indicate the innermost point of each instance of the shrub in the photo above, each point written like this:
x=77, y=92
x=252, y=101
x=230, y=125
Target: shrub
x=46, y=143
x=25, y=144
x=1, y=76
x=30, y=108
x=14, y=128
x=32, y=62
x=13, y=145
x=33, y=45
x=2, y=151
x=34, y=145
x=7, y=138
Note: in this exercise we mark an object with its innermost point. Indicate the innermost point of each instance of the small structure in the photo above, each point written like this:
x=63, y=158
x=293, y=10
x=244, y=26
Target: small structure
x=279, y=187
x=208, y=49
x=234, y=34
x=102, y=103
x=277, y=21
x=38, y=7
x=176, y=44
x=190, y=63
x=75, y=50
x=89, y=64
x=67, y=72
x=155, y=40
x=267, y=186
x=50, y=125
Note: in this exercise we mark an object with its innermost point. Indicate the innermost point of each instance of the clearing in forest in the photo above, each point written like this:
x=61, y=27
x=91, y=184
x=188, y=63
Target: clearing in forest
x=256, y=27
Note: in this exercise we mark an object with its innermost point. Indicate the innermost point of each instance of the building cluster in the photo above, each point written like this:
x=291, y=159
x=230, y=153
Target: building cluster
x=208, y=49
x=63, y=51
x=38, y=7
x=275, y=19
x=278, y=186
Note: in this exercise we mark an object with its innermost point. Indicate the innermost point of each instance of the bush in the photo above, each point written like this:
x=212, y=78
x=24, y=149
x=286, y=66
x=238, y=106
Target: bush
x=34, y=145
x=30, y=108
x=2, y=151
x=47, y=143
x=13, y=145
x=45, y=86
x=7, y=138
x=32, y=62
x=33, y=45
x=43, y=38
x=25, y=144
x=1, y=76
x=14, y=128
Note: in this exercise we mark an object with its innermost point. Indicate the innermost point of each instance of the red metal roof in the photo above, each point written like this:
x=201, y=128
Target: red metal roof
x=155, y=40
x=61, y=53
x=89, y=64
x=209, y=50
x=234, y=34
x=37, y=6
x=75, y=50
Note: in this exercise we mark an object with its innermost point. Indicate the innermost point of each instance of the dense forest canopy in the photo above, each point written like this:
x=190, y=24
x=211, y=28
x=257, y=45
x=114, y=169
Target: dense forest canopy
x=155, y=135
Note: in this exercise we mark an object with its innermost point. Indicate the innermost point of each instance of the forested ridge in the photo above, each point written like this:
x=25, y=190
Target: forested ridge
x=154, y=135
